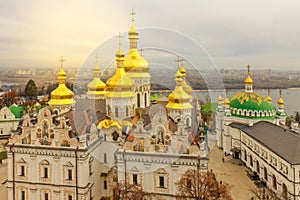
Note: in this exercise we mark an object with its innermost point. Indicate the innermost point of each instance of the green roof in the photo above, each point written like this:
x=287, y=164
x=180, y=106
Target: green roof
x=16, y=110
x=209, y=108
x=250, y=101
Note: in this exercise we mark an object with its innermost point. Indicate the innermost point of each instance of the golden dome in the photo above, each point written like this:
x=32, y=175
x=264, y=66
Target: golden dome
x=134, y=63
x=186, y=87
x=227, y=102
x=280, y=100
x=179, y=99
x=61, y=95
x=96, y=86
x=107, y=123
x=248, y=80
x=220, y=98
x=269, y=99
x=182, y=71
x=120, y=85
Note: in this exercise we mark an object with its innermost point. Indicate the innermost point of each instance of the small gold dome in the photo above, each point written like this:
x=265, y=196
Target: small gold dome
x=227, y=102
x=182, y=71
x=220, y=98
x=120, y=85
x=269, y=99
x=96, y=86
x=248, y=80
x=61, y=95
x=179, y=99
x=135, y=63
x=280, y=101
x=186, y=87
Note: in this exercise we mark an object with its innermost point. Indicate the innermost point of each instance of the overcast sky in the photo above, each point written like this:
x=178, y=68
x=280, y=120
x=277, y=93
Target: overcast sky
x=262, y=33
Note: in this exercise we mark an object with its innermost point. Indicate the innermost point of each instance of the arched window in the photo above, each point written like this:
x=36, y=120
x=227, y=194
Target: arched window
x=245, y=156
x=284, y=191
x=138, y=96
x=274, y=182
x=251, y=161
x=265, y=173
x=257, y=166
x=146, y=99
x=116, y=112
x=45, y=171
x=187, y=122
x=127, y=111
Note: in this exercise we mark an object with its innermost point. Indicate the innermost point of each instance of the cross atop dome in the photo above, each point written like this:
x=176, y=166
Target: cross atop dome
x=132, y=13
x=119, y=39
x=179, y=61
x=248, y=82
x=248, y=69
x=96, y=57
x=61, y=60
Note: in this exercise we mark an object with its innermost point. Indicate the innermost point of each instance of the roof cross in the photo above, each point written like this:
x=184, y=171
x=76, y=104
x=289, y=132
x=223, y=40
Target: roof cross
x=61, y=60
x=132, y=13
x=248, y=69
x=179, y=60
x=119, y=38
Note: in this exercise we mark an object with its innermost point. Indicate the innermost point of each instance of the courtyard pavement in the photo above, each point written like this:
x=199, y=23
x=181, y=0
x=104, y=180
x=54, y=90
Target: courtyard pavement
x=232, y=173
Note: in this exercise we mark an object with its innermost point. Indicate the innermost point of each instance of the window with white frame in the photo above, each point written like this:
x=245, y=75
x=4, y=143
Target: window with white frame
x=45, y=168
x=68, y=171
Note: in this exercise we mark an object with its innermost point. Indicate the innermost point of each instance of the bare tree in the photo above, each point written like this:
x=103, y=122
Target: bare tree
x=202, y=185
x=265, y=194
x=125, y=191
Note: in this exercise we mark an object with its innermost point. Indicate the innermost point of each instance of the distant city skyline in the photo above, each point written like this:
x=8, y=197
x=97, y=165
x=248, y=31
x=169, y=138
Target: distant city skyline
x=263, y=34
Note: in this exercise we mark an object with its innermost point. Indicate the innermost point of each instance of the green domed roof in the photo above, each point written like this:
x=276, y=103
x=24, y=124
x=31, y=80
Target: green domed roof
x=250, y=101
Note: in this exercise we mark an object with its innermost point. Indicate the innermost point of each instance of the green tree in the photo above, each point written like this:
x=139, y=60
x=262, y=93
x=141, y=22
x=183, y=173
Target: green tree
x=31, y=90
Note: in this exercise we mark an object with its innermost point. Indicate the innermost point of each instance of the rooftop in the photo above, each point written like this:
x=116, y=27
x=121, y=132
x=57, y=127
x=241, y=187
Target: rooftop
x=284, y=143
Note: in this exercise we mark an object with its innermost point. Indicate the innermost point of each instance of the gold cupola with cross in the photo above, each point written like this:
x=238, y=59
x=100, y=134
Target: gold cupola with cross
x=186, y=87
x=134, y=63
x=62, y=96
x=120, y=85
x=248, y=82
x=96, y=87
x=179, y=99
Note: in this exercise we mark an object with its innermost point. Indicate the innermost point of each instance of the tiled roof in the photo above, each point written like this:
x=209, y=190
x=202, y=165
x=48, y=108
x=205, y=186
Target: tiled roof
x=284, y=143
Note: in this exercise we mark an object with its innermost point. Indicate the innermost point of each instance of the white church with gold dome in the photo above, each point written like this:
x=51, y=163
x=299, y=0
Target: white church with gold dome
x=249, y=127
x=83, y=148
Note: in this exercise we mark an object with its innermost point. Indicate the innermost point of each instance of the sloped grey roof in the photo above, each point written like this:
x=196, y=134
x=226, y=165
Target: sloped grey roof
x=284, y=143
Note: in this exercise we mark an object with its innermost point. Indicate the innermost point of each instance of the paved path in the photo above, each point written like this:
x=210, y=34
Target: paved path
x=3, y=177
x=232, y=173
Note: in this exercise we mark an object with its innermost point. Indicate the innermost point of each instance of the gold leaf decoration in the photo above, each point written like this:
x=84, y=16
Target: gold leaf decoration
x=243, y=97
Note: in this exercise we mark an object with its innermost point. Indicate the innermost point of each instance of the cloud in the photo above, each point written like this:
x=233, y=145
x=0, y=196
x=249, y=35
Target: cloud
x=232, y=31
